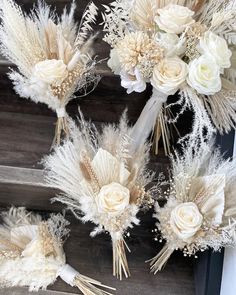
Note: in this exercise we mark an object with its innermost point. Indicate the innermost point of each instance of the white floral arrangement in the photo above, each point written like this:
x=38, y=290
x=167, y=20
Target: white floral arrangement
x=32, y=255
x=53, y=54
x=102, y=179
x=178, y=46
x=200, y=208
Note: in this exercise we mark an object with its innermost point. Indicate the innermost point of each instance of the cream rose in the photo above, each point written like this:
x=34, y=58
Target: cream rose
x=204, y=75
x=169, y=74
x=216, y=47
x=172, y=44
x=50, y=71
x=186, y=220
x=113, y=198
x=174, y=18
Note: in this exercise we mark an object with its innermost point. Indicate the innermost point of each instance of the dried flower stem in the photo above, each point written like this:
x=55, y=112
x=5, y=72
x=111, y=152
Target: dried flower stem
x=88, y=286
x=120, y=263
x=160, y=259
x=61, y=127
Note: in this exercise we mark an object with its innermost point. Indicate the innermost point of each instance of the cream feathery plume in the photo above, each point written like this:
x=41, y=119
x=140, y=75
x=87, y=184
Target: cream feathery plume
x=32, y=255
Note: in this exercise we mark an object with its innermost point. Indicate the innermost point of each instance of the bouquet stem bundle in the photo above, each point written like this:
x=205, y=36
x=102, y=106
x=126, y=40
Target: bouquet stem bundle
x=120, y=263
x=85, y=284
x=61, y=128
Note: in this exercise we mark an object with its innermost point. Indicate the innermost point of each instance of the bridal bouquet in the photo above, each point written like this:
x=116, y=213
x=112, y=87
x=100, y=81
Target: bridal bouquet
x=31, y=253
x=178, y=46
x=103, y=178
x=52, y=54
x=200, y=211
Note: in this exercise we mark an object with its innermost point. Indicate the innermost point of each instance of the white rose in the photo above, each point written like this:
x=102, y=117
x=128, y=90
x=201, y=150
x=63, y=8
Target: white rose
x=114, y=62
x=133, y=81
x=204, y=75
x=169, y=74
x=113, y=198
x=216, y=47
x=172, y=44
x=186, y=220
x=174, y=18
x=50, y=71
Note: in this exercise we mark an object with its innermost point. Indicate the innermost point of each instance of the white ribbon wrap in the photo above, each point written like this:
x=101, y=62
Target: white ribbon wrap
x=147, y=120
x=61, y=112
x=68, y=274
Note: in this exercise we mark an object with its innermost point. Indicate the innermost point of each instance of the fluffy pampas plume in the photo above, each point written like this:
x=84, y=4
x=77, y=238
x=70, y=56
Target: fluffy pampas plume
x=181, y=47
x=52, y=54
x=200, y=207
x=103, y=180
x=31, y=253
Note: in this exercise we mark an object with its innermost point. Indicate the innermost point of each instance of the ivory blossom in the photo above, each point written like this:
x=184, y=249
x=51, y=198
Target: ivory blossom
x=186, y=220
x=50, y=71
x=216, y=48
x=204, y=76
x=113, y=198
x=133, y=82
x=169, y=74
x=174, y=18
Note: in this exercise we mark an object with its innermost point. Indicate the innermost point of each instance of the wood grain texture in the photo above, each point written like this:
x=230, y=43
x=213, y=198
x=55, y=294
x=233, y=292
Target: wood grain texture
x=93, y=257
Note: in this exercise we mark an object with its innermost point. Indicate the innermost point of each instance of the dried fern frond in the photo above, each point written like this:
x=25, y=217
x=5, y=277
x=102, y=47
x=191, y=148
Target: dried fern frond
x=85, y=27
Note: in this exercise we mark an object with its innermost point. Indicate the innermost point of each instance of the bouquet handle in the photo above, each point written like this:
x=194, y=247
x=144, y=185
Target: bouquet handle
x=85, y=284
x=120, y=263
x=61, y=125
x=147, y=119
